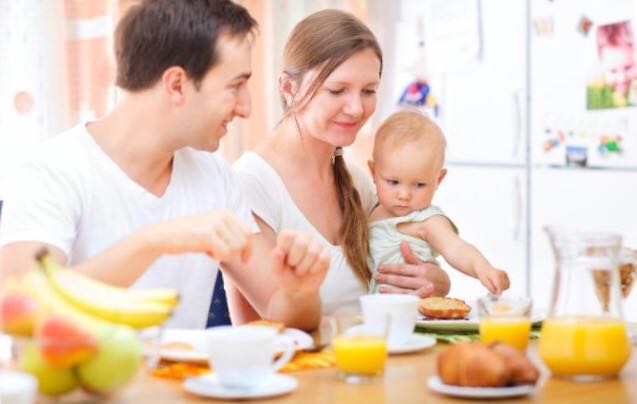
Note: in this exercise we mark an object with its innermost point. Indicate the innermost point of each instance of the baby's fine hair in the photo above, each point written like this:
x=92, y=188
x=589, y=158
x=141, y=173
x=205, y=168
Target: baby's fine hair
x=409, y=126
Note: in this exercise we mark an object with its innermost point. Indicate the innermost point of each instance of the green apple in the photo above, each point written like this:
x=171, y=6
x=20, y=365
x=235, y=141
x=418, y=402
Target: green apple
x=52, y=381
x=118, y=358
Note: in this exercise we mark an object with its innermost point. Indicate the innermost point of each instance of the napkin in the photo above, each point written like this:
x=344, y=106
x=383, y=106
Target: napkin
x=455, y=337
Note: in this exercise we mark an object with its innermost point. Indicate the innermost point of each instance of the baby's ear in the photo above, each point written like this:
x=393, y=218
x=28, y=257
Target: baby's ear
x=370, y=164
x=442, y=175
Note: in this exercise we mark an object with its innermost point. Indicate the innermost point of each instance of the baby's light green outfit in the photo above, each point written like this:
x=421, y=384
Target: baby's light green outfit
x=385, y=239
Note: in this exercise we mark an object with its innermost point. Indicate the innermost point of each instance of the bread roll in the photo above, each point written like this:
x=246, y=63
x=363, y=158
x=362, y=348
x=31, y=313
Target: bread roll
x=444, y=308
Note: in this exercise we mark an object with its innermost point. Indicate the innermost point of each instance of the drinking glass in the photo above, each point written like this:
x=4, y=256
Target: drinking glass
x=505, y=318
x=360, y=350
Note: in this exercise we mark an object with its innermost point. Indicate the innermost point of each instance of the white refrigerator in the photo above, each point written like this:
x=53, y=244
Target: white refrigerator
x=509, y=82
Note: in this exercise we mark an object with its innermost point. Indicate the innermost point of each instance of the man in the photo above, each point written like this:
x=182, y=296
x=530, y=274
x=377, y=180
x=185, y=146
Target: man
x=137, y=198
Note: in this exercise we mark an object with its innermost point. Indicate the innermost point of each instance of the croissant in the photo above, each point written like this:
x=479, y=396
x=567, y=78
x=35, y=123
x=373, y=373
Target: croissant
x=522, y=369
x=473, y=364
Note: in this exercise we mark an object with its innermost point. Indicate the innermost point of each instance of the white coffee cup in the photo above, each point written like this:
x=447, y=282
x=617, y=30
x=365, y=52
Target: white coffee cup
x=242, y=357
x=396, y=311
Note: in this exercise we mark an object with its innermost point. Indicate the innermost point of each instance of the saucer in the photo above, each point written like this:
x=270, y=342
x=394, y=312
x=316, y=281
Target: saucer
x=416, y=342
x=434, y=383
x=209, y=386
x=194, y=349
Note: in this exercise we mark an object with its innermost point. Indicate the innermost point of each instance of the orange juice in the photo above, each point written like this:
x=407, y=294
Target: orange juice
x=584, y=346
x=360, y=354
x=510, y=330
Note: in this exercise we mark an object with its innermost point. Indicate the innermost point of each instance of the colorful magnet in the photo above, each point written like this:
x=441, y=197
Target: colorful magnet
x=610, y=144
x=543, y=26
x=418, y=94
x=584, y=25
x=576, y=156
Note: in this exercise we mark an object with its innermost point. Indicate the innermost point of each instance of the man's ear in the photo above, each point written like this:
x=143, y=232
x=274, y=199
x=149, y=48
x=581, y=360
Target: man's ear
x=287, y=88
x=174, y=82
x=370, y=164
x=441, y=176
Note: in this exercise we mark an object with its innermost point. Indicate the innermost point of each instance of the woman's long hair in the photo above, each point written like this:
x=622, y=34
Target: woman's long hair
x=325, y=40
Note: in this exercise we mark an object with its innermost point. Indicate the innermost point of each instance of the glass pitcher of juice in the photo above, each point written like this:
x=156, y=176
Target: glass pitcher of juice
x=584, y=336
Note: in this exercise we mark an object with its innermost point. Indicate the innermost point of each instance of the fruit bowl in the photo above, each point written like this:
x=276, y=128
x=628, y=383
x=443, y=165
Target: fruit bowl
x=74, y=333
x=74, y=368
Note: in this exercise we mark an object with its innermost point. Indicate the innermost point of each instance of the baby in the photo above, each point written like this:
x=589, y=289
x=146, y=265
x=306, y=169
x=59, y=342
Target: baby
x=407, y=167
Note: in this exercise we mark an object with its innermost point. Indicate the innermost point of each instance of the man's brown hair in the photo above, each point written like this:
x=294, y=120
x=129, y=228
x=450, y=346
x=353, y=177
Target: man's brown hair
x=157, y=34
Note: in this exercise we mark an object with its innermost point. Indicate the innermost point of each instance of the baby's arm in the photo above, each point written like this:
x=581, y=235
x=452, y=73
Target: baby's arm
x=461, y=255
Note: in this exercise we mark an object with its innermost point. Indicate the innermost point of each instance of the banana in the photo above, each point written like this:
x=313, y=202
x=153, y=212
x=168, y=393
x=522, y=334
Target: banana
x=66, y=335
x=78, y=281
x=40, y=289
x=115, y=308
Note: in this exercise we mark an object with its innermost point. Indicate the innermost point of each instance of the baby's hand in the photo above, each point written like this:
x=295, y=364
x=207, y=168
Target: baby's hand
x=496, y=280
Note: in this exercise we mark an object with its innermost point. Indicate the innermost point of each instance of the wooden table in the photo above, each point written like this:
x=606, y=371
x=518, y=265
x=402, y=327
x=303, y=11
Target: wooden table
x=404, y=382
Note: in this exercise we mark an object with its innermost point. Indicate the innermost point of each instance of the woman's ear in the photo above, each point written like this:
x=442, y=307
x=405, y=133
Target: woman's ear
x=287, y=88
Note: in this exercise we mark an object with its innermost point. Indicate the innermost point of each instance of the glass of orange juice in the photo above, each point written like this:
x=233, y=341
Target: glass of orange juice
x=505, y=318
x=360, y=350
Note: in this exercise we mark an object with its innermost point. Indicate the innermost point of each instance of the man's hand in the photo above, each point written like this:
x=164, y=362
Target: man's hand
x=495, y=280
x=416, y=277
x=217, y=233
x=300, y=262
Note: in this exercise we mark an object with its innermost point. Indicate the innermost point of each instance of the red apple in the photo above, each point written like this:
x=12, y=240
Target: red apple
x=18, y=313
x=64, y=343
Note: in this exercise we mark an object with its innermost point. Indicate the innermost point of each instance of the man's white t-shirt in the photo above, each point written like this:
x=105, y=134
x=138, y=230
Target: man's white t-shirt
x=72, y=195
x=269, y=199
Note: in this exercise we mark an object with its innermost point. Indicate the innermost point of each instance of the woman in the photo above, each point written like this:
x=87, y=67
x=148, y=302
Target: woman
x=297, y=178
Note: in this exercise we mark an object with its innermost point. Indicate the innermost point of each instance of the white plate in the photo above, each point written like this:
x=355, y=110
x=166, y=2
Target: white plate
x=194, y=338
x=197, y=339
x=468, y=324
x=434, y=383
x=416, y=342
x=209, y=386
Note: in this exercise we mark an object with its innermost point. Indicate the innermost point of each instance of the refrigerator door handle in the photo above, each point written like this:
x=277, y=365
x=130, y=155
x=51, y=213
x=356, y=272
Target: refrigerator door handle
x=517, y=208
x=517, y=119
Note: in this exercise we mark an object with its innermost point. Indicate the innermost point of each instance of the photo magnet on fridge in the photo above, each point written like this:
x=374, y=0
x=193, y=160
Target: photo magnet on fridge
x=615, y=82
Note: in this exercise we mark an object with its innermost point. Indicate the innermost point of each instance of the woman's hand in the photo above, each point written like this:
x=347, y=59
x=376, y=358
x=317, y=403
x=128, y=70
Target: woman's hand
x=416, y=277
x=300, y=261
